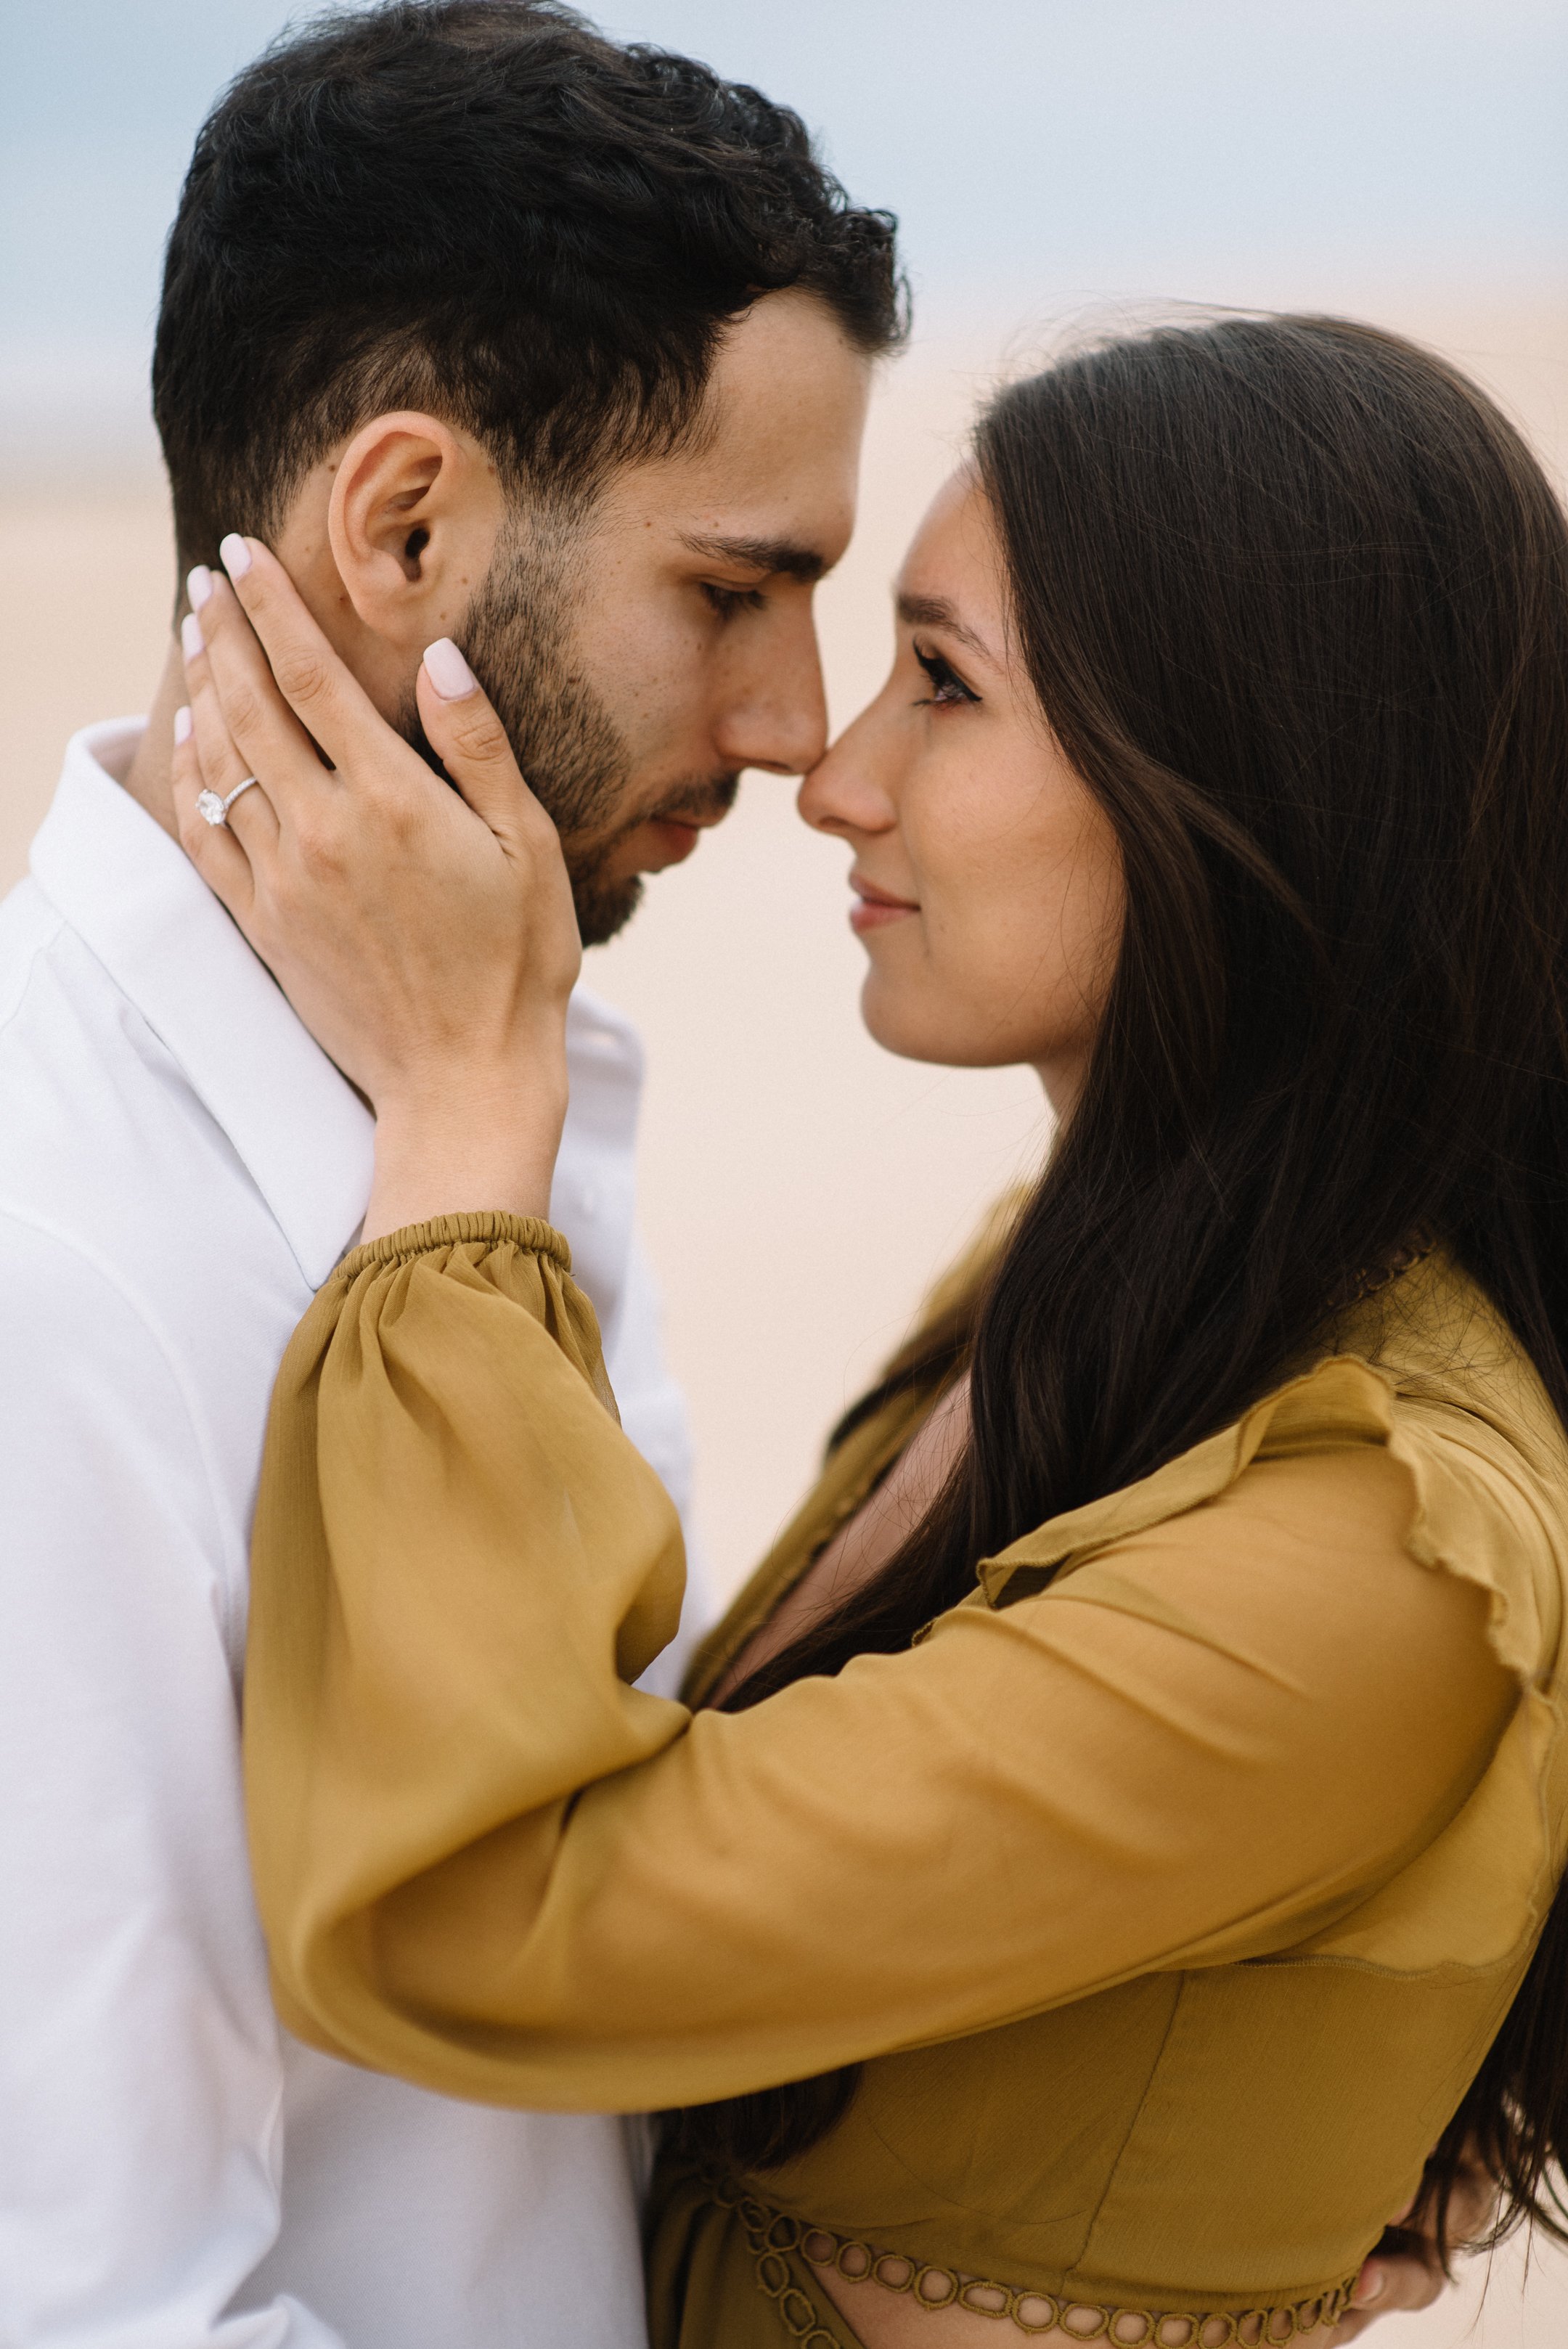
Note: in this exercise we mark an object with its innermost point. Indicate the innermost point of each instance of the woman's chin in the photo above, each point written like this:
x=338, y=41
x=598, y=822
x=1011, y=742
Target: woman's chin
x=905, y=1021
x=905, y=1026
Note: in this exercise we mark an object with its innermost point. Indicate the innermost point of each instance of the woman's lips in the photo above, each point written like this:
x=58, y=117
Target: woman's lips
x=875, y=909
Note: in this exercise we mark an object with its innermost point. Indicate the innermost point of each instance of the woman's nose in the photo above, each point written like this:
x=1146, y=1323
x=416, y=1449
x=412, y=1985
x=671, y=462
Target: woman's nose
x=849, y=790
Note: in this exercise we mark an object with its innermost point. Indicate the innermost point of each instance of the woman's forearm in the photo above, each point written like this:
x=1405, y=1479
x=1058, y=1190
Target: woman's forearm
x=462, y=1140
x=488, y=1862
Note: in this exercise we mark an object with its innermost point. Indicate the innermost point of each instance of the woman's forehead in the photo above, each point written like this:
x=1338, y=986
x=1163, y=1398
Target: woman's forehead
x=952, y=575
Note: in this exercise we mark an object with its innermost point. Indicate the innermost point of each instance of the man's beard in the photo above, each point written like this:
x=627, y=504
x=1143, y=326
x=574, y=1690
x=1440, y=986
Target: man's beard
x=573, y=756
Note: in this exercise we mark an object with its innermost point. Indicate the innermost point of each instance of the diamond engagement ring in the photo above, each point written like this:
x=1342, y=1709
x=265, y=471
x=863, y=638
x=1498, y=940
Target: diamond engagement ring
x=217, y=811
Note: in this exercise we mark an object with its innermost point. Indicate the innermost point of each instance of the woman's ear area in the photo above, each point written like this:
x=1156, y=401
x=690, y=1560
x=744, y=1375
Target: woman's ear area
x=412, y=518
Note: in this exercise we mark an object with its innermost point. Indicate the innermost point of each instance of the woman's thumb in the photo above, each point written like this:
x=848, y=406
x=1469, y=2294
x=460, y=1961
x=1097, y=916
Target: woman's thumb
x=468, y=738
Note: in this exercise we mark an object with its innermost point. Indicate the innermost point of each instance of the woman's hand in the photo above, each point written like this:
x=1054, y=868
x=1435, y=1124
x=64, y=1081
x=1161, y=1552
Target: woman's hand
x=427, y=940
x=1405, y=2271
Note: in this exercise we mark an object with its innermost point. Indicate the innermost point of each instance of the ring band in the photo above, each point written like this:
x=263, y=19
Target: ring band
x=212, y=810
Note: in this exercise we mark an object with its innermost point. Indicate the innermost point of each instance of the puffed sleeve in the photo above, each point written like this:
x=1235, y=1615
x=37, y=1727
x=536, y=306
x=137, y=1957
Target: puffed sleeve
x=488, y=1863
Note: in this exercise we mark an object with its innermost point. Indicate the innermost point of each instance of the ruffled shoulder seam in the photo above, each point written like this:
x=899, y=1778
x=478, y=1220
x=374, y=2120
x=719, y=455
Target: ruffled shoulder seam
x=1457, y=1525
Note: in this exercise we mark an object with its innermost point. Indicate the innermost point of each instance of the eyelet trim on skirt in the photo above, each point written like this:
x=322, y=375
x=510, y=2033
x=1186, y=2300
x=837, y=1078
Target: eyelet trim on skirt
x=773, y=2235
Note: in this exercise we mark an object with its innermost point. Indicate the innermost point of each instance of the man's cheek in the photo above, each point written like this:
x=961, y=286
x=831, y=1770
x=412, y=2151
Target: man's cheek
x=659, y=694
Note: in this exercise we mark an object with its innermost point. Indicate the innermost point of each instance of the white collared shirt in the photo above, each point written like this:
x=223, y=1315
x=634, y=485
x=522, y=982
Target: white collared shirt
x=180, y=1168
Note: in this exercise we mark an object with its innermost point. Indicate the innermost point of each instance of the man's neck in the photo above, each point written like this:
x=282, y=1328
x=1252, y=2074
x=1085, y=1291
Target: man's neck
x=150, y=780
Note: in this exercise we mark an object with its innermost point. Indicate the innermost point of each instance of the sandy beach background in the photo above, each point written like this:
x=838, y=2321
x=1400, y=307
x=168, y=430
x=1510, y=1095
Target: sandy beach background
x=1060, y=164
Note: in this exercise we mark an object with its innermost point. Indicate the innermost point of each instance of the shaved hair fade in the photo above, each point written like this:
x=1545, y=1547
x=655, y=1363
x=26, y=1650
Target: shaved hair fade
x=487, y=210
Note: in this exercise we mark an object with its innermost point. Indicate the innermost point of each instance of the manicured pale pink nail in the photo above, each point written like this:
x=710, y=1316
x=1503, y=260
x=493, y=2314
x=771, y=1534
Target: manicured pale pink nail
x=447, y=671
x=236, y=555
x=181, y=726
x=191, y=640
x=1372, y=2285
x=198, y=585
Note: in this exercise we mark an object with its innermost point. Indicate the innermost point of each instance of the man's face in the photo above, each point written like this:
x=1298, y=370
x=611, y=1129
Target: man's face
x=643, y=656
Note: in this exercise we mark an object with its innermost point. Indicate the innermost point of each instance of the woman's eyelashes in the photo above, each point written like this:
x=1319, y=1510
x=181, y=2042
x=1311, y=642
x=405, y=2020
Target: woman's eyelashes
x=728, y=601
x=948, y=688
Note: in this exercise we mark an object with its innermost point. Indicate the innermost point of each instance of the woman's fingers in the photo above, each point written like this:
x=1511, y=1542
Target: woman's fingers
x=302, y=670
x=472, y=744
x=1405, y=2273
x=426, y=936
x=283, y=691
x=222, y=654
x=224, y=764
x=473, y=747
x=213, y=849
x=1473, y=2202
x=1388, y=2285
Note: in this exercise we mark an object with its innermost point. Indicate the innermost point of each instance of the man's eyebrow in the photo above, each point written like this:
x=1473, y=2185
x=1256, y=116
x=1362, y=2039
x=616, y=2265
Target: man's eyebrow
x=771, y=555
x=936, y=612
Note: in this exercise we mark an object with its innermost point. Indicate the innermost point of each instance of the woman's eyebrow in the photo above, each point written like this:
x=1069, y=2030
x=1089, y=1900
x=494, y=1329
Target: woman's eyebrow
x=936, y=612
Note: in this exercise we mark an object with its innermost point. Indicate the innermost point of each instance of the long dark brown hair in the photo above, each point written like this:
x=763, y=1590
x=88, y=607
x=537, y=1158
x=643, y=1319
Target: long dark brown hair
x=1294, y=597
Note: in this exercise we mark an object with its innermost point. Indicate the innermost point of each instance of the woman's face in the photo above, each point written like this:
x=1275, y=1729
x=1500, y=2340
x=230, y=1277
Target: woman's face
x=986, y=879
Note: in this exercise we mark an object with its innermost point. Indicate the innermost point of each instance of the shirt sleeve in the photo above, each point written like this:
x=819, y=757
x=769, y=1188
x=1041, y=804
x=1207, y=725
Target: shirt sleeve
x=653, y=1413
x=140, y=2063
x=488, y=1863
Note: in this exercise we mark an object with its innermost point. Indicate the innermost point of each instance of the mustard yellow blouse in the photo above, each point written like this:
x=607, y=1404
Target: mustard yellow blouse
x=1171, y=1889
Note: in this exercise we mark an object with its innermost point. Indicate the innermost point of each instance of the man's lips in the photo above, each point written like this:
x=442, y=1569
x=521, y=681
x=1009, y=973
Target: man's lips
x=672, y=842
x=660, y=841
x=875, y=909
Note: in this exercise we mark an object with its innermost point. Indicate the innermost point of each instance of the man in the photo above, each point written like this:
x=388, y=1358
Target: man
x=493, y=330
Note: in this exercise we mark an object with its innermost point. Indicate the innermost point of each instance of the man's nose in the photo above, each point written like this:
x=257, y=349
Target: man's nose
x=778, y=718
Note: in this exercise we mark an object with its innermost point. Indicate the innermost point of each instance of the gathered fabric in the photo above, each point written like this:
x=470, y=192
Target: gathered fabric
x=1170, y=1890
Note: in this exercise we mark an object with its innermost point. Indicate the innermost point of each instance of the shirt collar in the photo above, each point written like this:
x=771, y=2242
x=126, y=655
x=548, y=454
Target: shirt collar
x=131, y=895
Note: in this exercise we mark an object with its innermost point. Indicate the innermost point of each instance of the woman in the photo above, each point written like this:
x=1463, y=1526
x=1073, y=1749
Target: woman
x=1114, y=1835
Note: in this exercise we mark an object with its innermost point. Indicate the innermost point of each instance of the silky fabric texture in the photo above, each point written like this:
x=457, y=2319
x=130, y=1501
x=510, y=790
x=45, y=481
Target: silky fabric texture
x=1171, y=1888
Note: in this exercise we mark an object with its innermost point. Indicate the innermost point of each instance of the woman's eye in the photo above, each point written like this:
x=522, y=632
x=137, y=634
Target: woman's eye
x=728, y=601
x=947, y=686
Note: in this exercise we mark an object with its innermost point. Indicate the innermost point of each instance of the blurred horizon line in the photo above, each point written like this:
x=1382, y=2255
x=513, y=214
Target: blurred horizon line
x=78, y=409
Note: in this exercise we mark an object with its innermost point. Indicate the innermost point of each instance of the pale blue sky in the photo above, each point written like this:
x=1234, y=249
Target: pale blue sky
x=1038, y=151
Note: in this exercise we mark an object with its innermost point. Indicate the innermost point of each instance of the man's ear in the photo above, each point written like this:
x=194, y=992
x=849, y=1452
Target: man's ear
x=412, y=519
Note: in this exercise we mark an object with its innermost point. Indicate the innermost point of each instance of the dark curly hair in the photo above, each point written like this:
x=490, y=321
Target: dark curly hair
x=484, y=208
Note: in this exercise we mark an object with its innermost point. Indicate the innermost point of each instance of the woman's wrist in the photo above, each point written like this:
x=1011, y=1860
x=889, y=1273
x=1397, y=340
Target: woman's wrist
x=464, y=1142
